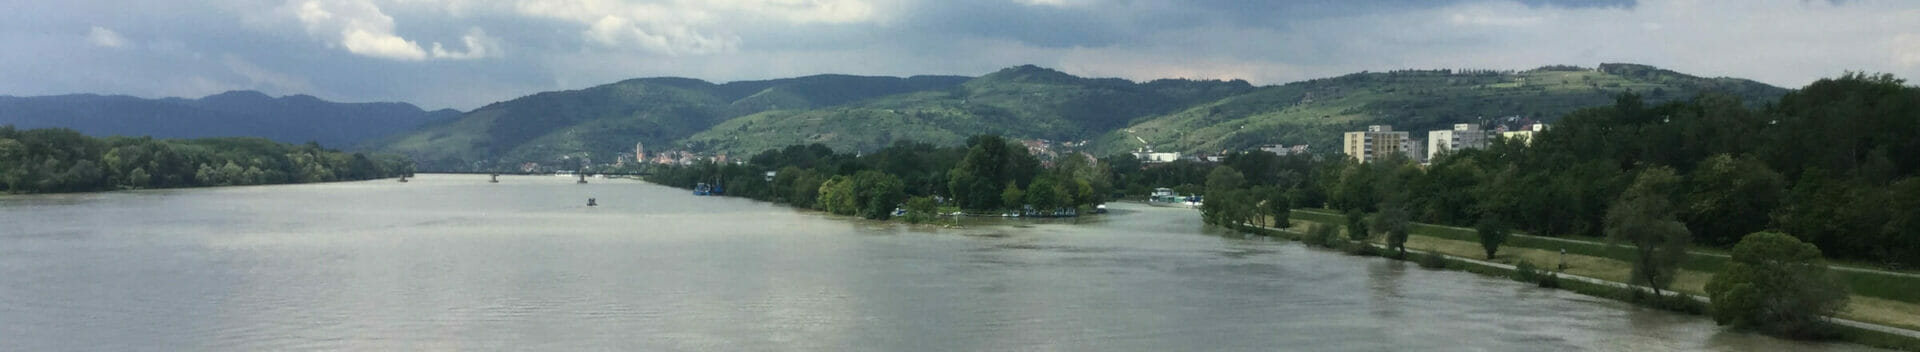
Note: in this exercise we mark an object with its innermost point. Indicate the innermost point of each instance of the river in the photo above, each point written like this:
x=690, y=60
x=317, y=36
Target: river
x=451, y=262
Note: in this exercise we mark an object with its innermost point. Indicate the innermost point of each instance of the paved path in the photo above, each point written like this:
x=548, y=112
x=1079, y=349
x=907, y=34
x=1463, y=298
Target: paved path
x=1582, y=242
x=1914, y=334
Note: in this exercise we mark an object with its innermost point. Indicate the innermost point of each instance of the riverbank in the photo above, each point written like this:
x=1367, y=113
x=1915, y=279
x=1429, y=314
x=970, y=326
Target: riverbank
x=1459, y=256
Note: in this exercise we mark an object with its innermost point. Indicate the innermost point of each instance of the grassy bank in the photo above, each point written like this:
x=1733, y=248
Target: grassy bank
x=1603, y=268
x=1862, y=284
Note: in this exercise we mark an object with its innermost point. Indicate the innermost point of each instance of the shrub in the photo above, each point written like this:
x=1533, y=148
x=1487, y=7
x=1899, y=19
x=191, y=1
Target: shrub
x=1776, y=284
x=1358, y=248
x=1322, y=235
x=1433, y=260
x=1550, y=280
x=1525, y=272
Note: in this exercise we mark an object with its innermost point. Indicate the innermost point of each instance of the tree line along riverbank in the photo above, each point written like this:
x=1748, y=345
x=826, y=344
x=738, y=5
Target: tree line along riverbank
x=990, y=175
x=1814, y=175
x=63, y=160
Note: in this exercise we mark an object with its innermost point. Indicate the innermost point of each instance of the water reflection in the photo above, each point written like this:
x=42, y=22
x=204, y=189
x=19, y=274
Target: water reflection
x=453, y=262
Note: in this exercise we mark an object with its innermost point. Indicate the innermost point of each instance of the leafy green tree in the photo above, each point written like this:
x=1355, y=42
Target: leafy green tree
x=139, y=178
x=836, y=196
x=1644, y=218
x=1730, y=197
x=877, y=194
x=1047, y=195
x=1223, y=187
x=1278, y=207
x=1392, y=220
x=1357, y=226
x=922, y=210
x=1901, y=234
x=1012, y=196
x=1492, y=234
x=1776, y=284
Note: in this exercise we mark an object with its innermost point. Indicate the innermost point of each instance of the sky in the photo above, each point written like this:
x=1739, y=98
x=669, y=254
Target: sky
x=463, y=54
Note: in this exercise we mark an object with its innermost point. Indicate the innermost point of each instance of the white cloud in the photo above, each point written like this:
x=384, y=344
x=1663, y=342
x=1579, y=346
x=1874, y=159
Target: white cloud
x=362, y=28
x=105, y=38
x=1906, y=50
x=689, y=27
x=479, y=45
x=260, y=77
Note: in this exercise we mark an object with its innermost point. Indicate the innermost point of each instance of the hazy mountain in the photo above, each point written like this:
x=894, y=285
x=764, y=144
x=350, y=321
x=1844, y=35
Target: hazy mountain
x=290, y=119
x=865, y=113
x=601, y=121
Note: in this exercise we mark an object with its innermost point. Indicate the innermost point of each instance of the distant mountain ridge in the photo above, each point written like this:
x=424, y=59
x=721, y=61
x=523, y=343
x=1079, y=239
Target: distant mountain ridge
x=866, y=113
x=289, y=119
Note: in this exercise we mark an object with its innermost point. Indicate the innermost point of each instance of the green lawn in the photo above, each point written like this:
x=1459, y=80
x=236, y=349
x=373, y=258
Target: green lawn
x=1868, y=284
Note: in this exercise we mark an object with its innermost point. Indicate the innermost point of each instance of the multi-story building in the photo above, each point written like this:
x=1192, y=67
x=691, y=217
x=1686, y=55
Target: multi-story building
x=1378, y=141
x=1525, y=134
x=1462, y=136
x=1283, y=150
x=1414, y=149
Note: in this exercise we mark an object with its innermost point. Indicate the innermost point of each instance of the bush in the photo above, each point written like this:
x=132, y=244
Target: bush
x=1322, y=235
x=1550, y=280
x=1525, y=272
x=1676, y=302
x=1358, y=248
x=1776, y=284
x=922, y=210
x=1433, y=260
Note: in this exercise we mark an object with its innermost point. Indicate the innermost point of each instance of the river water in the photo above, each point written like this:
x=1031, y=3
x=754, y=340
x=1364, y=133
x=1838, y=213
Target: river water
x=451, y=262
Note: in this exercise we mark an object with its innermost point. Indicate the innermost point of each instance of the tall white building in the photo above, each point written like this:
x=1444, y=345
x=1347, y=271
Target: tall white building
x=1378, y=141
x=1462, y=136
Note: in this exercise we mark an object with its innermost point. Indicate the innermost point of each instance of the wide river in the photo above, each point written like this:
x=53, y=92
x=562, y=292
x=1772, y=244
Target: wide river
x=451, y=262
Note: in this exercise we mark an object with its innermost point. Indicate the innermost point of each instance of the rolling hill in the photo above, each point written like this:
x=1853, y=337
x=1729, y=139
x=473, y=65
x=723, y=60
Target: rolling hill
x=602, y=121
x=1316, y=111
x=866, y=113
x=289, y=119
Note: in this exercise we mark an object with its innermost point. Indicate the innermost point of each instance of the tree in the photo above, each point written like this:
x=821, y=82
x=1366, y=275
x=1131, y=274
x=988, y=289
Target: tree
x=1392, y=220
x=921, y=210
x=1223, y=187
x=1492, y=234
x=1901, y=234
x=1012, y=197
x=1357, y=226
x=878, y=194
x=1775, y=284
x=1278, y=207
x=1046, y=195
x=138, y=178
x=836, y=196
x=1644, y=218
x=1730, y=197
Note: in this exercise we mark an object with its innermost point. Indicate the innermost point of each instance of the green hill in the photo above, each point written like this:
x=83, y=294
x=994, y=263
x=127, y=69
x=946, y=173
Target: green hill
x=1316, y=111
x=865, y=113
x=602, y=121
x=1024, y=101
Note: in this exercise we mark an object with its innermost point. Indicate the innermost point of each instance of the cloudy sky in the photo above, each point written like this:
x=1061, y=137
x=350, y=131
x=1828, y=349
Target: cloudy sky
x=466, y=53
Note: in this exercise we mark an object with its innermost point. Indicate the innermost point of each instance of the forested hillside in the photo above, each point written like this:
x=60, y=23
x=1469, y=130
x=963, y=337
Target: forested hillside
x=864, y=114
x=1830, y=164
x=63, y=160
x=289, y=119
x=600, y=122
x=1316, y=111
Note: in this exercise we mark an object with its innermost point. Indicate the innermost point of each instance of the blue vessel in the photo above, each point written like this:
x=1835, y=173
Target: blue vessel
x=702, y=189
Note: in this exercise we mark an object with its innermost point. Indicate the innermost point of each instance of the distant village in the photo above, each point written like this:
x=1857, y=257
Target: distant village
x=1374, y=143
x=1381, y=141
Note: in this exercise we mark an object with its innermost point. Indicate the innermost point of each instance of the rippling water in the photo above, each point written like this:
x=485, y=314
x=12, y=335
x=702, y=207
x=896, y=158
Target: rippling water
x=454, y=263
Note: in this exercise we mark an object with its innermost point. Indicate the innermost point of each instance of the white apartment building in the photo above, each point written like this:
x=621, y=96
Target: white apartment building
x=1378, y=141
x=1462, y=136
